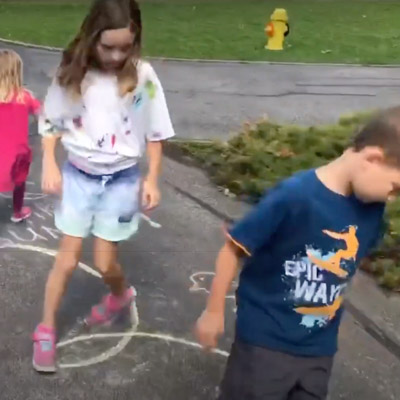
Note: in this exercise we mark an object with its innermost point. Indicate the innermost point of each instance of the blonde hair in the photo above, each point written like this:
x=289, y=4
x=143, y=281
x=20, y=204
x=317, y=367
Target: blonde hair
x=11, y=76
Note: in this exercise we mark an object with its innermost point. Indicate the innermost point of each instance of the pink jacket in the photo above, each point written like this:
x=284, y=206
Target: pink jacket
x=15, y=153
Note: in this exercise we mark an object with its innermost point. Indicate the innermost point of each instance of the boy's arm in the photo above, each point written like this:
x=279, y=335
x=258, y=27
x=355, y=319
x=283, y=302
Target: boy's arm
x=247, y=237
x=211, y=323
x=151, y=192
x=51, y=176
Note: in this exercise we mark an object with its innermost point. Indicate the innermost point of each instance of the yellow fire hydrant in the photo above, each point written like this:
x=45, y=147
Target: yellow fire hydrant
x=277, y=29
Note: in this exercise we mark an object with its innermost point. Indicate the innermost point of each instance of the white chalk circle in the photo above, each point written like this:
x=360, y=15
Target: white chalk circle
x=125, y=337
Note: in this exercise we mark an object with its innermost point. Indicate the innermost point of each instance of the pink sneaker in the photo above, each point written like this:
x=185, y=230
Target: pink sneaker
x=44, y=349
x=111, y=308
x=24, y=214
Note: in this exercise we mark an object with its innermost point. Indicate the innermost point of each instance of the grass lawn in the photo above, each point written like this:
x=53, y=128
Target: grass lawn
x=356, y=31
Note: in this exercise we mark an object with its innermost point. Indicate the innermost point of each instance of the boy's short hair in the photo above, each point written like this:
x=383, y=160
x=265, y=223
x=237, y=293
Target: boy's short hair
x=382, y=131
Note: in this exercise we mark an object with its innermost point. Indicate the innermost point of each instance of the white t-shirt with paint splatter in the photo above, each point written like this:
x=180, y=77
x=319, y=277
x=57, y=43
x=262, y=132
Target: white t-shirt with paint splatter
x=103, y=132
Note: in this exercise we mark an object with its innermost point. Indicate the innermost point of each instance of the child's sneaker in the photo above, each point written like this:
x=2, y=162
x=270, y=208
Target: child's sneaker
x=44, y=349
x=24, y=214
x=111, y=308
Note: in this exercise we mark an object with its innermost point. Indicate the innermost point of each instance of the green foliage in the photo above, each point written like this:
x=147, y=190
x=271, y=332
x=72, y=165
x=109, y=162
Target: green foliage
x=265, y=152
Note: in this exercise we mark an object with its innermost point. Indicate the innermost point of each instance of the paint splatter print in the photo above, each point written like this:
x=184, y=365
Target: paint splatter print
x=151, y=89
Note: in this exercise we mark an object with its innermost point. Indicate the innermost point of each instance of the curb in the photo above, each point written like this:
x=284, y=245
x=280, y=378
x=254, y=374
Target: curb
x=216, y=61
x=30, y=45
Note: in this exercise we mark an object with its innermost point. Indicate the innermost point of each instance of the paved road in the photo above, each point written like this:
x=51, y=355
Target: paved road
x=160, y=362
x=211, y=100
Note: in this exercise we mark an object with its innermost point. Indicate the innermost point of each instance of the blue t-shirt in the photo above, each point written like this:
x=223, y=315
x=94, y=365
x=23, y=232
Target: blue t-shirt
x=304, y=243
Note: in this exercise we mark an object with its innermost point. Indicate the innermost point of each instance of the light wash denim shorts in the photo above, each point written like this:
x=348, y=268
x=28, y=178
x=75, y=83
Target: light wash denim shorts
x=106, y=206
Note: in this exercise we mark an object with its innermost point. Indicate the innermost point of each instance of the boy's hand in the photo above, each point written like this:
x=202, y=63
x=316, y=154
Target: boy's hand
x=51, y=179
x=209, y=327
x=151, y=195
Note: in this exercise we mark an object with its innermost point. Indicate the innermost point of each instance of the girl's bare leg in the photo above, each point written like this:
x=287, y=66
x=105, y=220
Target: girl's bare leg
x=121, y=297
x=66, y=261
x=105, y=260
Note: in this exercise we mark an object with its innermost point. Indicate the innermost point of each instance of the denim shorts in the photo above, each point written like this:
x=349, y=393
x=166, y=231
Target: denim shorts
x=106, y=206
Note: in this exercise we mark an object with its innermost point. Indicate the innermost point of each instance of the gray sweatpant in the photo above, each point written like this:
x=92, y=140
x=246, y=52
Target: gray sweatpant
x=255, y=373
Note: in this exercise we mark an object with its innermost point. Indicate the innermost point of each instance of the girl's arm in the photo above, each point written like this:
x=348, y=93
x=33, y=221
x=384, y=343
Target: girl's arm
x=158, y=128
x=57, y=106
x=211, y=323
x=33, y=103
x=154, y=153
x=35, y=106
x=51, y=176
x=151, y=192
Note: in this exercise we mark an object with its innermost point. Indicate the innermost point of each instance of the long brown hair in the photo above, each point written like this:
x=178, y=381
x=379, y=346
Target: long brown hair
x=79, y=56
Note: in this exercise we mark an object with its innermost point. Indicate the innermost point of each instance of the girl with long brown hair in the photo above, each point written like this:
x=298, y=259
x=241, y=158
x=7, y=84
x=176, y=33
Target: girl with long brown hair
x=16, y=105
x=107, y=105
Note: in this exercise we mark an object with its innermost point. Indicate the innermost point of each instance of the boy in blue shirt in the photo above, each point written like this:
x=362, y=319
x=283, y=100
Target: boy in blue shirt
x=301, y=245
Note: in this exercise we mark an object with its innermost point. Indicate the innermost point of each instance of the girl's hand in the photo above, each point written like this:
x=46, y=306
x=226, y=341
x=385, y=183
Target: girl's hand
x=151, y=195
x=209, y=327
x=51, y=179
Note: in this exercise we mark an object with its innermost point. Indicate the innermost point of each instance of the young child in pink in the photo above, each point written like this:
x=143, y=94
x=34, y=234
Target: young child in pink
x=16, y=105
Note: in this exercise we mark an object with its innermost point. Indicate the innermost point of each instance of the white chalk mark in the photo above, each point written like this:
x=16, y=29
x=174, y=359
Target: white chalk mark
x=35, y=236
x=11, y=245
x=45, y=210
x=126, y=337
x=28, y=196
x=6, y=243
x=30, y=183
x=131, y=334
x=196, y=280
x=54, y=233
x=200, y=284
x=139, y=367
x=39, y=215
x=152, y=223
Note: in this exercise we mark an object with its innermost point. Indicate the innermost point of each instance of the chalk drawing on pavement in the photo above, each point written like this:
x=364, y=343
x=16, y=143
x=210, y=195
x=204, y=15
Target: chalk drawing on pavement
x=201, y=282
x=125, y=337
x=28, y=196
x=32, y=233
